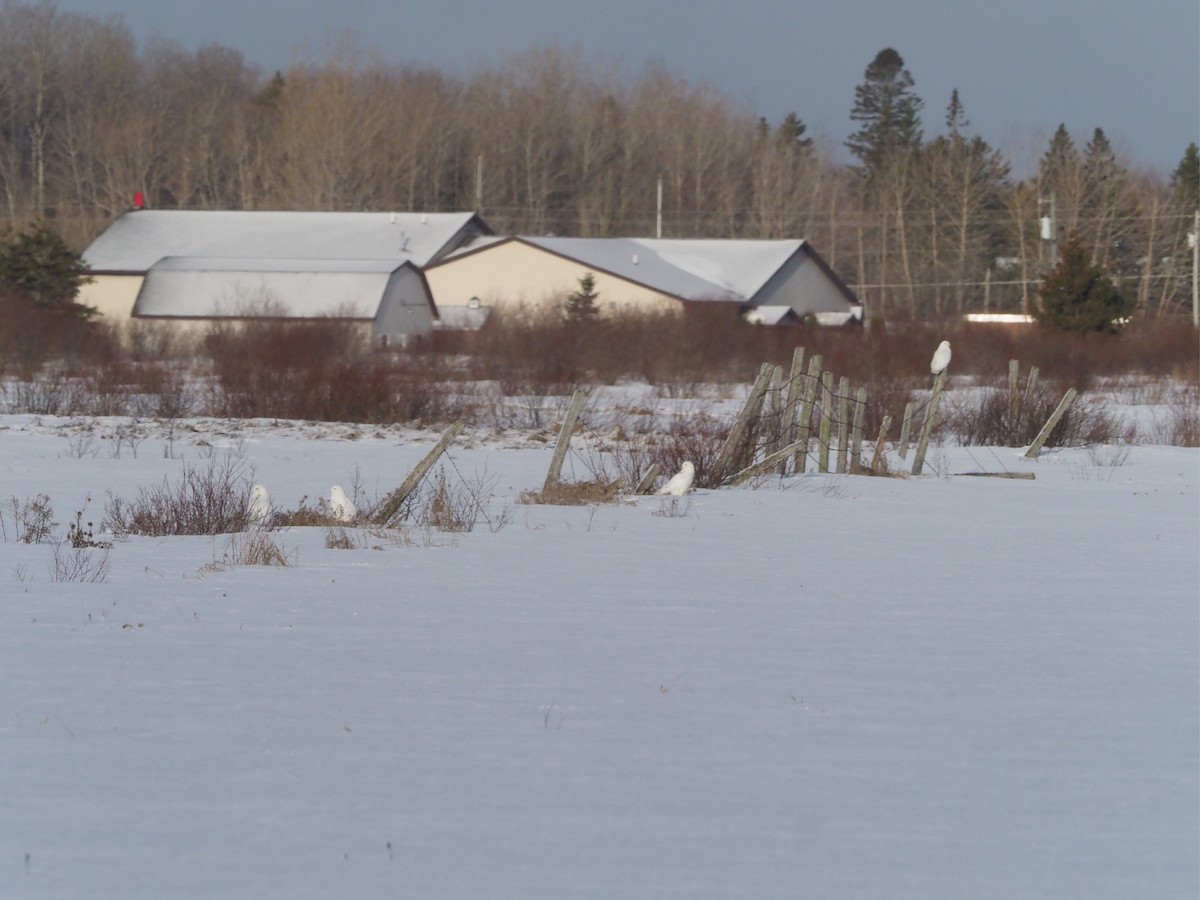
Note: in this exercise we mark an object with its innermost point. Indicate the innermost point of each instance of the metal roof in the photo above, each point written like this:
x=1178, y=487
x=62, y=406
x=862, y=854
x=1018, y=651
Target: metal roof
x=694, y=269
x=140, y=238
x=186, y=287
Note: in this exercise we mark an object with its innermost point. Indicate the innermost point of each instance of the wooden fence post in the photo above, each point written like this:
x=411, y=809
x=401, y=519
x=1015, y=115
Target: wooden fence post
x=564, y=441
x=856, y=435
x=726, y=460
x=762, y=465
x=906, y=429
x=647, y=482
x=826, y=418
x=930, y=420
x=390, y=508
x=843, y=425
x=775, y=431
x=787, y=426
x=810, y=392
x=877, y=459
x=1059, y=412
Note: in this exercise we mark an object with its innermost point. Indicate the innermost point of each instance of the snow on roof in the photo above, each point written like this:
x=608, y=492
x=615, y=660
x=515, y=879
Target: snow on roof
x=767, y=315
x=839, y=317
x=730, y=270
x=188, y=287
x=462, y=318
x=138, y=239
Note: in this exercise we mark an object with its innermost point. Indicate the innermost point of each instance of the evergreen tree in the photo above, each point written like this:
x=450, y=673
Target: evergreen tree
x=1061, y=159
x=956, y=118
x=1076, y=295
x=790, y=135
x=1185, y=180
x=38, y=266
x=888, y=110
x=581, y=305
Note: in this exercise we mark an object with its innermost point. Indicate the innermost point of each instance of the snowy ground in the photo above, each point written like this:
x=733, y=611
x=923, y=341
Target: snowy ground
x=830, y=687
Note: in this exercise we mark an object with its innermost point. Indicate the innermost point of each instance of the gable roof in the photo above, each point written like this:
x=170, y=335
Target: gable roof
x=191, y=287
x=140, y=238
x=688, y=269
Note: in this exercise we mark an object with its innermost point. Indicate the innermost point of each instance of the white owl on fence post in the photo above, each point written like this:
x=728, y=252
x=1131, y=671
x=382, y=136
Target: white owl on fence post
x=941, y=359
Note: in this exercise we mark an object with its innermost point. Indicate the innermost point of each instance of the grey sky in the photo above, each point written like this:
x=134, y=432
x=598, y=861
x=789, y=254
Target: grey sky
x=1021, y=66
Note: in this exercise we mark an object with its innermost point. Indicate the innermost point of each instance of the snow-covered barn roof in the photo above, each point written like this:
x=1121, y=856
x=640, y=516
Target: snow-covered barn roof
x=191, y=287
x=140, y=238
x=690, y=269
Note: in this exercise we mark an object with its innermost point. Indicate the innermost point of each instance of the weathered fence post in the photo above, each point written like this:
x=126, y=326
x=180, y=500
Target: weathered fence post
x=810, y=393
x=1059, y=412
x=564, y=441
x=787, y=427
x=879, y=442
x=856, y=435
x=1027, y=405
x=390, y=508
x=930, y=420
x=843, y=426
x=775, y=432
x=647, y=482
x=826, y=417
x=726, y=460
x=906, y=429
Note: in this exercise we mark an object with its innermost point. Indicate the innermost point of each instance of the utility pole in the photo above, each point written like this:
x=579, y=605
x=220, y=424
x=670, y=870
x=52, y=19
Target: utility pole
x=1194, y=243
x=1049, y=226
x=479, y=183
x=658, y=216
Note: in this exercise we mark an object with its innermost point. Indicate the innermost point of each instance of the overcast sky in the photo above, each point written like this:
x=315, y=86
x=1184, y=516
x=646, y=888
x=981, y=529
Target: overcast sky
x=1021, y=66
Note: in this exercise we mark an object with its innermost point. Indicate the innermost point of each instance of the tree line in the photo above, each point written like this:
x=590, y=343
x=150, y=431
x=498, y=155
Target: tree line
x=553, y=141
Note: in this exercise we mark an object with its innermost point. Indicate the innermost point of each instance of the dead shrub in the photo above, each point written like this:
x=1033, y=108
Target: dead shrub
x=32, y=520
x=1181, y=427
x=988, y=418
x=211, y=500
x=577, y=493
x=70, y=563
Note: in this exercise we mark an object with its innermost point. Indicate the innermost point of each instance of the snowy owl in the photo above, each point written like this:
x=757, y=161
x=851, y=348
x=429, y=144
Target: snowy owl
x=941, y=359
x=341, y=507
x=260, y=505
x=681, y=481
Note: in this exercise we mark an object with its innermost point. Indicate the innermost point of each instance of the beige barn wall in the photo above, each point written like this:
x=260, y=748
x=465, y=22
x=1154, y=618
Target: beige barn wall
x=513, y=275
x=112, y=295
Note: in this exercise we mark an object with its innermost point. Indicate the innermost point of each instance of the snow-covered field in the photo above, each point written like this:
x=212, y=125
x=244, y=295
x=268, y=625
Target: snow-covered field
x=826, y=687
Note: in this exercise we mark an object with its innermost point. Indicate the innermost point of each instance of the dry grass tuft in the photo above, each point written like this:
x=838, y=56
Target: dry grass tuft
x=579, y=493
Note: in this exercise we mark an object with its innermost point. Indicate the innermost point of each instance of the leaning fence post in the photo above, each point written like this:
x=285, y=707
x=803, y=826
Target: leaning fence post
x=564, y=441
x=882, y=439
x=810, y=392
x=856, y=435
x=906, y=429
x=725, y=461
x=1059, y=412
x=395, y=500
x=776, y=437
x=826, y=416
x=930, y=421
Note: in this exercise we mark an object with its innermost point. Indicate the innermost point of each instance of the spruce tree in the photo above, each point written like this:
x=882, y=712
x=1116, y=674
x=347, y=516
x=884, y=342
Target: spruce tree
x=1076, y=295
x=38, y=266
x=581, y=304
x=888, y=110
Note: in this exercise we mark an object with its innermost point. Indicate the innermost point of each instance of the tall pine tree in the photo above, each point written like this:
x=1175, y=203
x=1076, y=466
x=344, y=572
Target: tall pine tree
x=888, y=110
